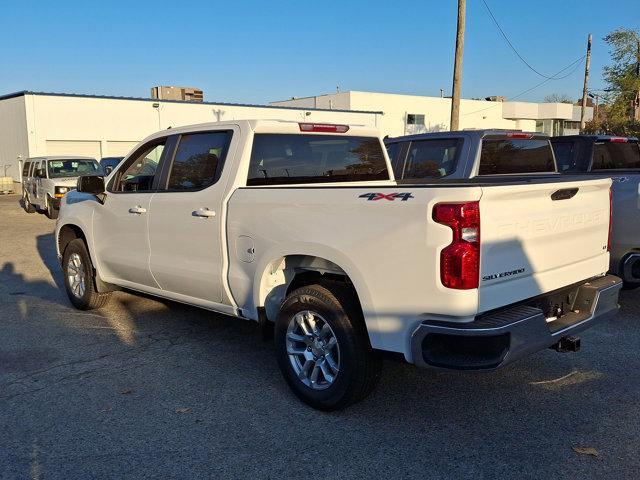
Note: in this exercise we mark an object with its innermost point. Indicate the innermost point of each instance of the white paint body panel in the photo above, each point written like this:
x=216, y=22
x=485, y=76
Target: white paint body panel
x=389, y=250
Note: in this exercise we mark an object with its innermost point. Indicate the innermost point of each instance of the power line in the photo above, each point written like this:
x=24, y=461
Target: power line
x=575, y=64
x=553, y=77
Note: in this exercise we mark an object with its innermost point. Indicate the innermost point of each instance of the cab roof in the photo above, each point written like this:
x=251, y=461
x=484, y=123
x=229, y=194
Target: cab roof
x=471, y=134
x=268, y=126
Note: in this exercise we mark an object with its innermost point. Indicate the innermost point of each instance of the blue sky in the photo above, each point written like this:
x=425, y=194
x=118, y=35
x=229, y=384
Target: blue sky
x=255, y=52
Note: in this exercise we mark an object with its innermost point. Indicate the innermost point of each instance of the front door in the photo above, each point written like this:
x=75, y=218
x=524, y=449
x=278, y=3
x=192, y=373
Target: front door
x=120, y=225
x=185, y=223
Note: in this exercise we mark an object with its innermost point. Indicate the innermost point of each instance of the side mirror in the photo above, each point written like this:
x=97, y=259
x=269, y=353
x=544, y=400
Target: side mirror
x=40, y=173
x=91, y=184
x=108, y=169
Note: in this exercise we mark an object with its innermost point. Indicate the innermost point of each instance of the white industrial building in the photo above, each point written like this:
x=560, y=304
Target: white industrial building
x=36, y=124
x=409, y=114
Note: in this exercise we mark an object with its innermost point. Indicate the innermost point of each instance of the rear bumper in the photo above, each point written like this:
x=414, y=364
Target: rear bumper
x=502, y=336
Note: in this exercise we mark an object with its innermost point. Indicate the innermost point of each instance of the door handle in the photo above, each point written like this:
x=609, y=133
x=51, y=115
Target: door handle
x=138, y=210
x=204, y=212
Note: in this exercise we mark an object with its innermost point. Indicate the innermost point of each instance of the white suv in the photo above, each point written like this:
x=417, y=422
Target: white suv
x=45, y=180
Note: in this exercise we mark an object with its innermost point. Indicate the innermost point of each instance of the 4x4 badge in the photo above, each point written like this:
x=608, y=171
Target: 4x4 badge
x=387, y=196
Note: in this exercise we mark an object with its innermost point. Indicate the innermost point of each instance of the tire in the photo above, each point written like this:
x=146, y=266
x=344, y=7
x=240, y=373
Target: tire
x=358, y=367
x=50, y=211
x=26, y=204
x=83, y=295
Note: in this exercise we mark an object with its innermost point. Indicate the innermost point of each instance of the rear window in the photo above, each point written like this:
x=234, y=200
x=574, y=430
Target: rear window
x=564, y=155
x=505, y=156
x=615, y=156
x=279, y=159
x=431, y=158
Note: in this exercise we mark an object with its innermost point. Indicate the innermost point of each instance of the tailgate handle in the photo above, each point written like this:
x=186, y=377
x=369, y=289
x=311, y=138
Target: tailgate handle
x=564, y=193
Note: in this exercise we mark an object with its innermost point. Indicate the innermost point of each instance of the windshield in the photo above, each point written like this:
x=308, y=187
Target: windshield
x=72, y=168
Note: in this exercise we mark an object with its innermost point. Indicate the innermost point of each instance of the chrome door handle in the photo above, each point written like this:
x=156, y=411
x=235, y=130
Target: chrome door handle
x=203, y=212
x=138, y=209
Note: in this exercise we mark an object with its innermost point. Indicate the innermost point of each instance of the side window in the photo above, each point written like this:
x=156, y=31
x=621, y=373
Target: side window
x=432, y=158
x=138, y=173
x=25, y=169
x=198, y=160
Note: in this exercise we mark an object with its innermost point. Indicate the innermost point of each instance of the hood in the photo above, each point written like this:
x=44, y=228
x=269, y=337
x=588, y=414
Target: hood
x=65, y=182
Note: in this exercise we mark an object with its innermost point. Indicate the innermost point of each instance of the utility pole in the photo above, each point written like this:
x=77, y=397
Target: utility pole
x=457, y=67
x=587, y=65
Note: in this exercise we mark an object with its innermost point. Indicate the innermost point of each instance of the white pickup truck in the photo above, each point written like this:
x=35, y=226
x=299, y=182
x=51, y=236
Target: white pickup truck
x=303, y=225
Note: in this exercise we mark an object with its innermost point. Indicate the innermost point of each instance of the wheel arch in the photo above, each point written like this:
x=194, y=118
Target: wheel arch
x=285, y=273
x=69, y=232
x=66, y=234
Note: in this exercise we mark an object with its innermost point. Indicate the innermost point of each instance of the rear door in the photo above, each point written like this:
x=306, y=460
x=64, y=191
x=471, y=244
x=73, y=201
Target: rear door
x=538, y=237
x=186, y=221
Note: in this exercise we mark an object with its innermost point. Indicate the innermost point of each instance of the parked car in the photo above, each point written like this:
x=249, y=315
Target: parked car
x=109, y=163
x=47, y=179
x=618, y=157
x=304, y=226
x=470, y=153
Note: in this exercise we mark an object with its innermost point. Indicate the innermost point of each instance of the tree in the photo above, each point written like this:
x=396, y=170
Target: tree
x=558, y=98
x=623, y=76
x=623, y=84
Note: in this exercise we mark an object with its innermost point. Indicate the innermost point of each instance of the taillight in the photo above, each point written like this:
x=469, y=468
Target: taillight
x=460, y=260
x=618, y=139
x=519, y=135
x=323, y=127
x=610, y=218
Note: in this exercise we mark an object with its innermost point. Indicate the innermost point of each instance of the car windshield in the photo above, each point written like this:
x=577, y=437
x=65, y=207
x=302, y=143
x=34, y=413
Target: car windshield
x=72, y=168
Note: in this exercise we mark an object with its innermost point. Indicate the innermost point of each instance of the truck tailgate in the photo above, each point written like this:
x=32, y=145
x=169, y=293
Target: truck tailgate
x=540, y=237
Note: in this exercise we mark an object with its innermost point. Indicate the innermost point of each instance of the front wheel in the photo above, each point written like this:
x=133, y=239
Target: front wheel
x=78, y=277
x=51, y=211
x=26, y=204
x=323, y=349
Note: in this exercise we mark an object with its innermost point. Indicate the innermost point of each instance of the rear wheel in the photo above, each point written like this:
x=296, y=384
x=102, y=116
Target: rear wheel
x=323, y=349
x=50, y=210
x=26, y=204
x=78, y=277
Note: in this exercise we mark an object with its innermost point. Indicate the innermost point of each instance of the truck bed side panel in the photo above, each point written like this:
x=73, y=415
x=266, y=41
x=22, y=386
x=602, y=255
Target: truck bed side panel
x=383, y=246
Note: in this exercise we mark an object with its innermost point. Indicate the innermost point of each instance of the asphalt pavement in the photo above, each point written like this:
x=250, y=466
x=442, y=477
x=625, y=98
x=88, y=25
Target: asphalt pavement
x=146, y=388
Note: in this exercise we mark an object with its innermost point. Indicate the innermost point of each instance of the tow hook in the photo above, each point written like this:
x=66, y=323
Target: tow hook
x=567, y=344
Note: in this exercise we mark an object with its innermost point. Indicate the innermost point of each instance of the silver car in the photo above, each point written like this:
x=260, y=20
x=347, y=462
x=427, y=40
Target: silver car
x=45, y=180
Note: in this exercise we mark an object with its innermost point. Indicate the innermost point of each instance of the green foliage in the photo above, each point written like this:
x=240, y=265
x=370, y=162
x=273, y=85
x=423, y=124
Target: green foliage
x=623, y=79
x=622, y=128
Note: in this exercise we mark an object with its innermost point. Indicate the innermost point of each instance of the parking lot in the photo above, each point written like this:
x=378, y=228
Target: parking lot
x=146, y=388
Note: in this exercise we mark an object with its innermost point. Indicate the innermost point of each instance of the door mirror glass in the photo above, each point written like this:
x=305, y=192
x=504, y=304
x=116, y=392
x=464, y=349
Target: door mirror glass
x=91, y=184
